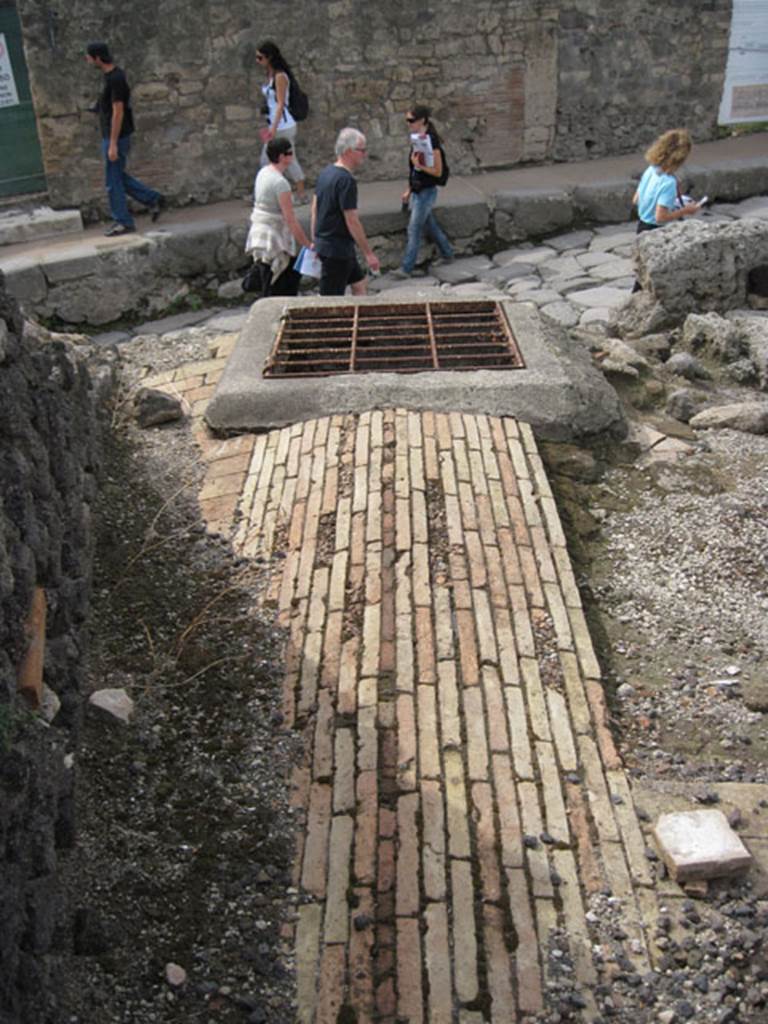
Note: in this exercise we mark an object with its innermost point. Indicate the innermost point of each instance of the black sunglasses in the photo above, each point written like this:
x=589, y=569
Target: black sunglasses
x=410, y=120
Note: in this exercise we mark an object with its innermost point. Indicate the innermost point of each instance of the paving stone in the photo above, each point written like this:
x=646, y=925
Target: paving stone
x=562, y=313
x=539, y=296
x=570, y=240
x=613, y=269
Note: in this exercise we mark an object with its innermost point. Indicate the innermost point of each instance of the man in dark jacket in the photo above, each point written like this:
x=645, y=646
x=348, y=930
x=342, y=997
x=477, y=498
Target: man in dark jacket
x=116, y=123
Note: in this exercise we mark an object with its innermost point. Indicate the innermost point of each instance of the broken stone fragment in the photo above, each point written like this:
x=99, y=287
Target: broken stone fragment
x=114, y=702
x=50, y=704
x=700, y=844
x=748, y=417
x=175, y=976
x=154, y=407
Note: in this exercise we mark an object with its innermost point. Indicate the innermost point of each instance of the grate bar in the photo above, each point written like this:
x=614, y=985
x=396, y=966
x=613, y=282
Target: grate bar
x=400, y=338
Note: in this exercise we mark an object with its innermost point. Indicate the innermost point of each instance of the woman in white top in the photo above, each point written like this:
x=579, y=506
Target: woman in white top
x=280, y=124
x=274, y=229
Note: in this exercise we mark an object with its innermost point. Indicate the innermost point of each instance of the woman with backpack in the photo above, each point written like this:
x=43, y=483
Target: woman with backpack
x=427, y=168
x=280, y=121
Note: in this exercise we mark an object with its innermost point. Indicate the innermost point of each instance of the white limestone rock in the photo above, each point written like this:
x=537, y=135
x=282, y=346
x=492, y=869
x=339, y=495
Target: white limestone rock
x=700, y=844
x=113, y=702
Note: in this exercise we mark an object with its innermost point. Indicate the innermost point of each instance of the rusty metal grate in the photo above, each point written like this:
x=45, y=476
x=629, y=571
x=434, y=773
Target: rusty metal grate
x=404, y=338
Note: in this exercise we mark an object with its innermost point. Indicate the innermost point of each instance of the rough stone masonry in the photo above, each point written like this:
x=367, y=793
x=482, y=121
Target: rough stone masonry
x=524, y=80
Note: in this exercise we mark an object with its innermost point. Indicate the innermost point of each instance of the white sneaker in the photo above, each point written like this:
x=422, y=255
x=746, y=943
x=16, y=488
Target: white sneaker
x=399, y=274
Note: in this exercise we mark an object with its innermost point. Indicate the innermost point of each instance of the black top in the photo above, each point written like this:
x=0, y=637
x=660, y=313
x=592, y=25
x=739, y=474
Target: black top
x=116, y=90
x=417, y=180
x=336, y=191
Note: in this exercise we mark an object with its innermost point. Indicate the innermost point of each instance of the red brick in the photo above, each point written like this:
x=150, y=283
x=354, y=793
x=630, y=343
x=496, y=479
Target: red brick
x=386, y=1000
x=464, y=935
x=322, y=760
x=474, y=723
x=596, y=698
x=366, y=826
x=429, y=752
x=438, y=959
x=476, y=559
x=407, y=893
x=347, y=694
x=498, y=739
x=361, y=943
x=332, y=650
x=433, y=840
x=313, y=875
x=425, y=645
x=331, y=996
x=509, y=818
x=485, y=837
x=470, y=669
x=385, y=879
x=498, y=965
x=410, y=1004
x=406, y=743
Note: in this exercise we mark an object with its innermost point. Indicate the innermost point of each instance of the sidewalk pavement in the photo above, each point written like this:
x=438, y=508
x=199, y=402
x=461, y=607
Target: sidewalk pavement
x=747, y=154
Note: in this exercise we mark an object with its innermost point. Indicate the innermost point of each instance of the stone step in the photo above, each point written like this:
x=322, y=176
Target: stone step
x=27, y=225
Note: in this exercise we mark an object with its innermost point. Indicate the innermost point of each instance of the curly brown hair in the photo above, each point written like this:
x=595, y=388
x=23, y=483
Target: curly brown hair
x=670, y=150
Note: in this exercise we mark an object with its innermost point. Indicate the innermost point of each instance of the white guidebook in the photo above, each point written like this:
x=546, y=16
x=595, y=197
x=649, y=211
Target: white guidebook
x=422, y=145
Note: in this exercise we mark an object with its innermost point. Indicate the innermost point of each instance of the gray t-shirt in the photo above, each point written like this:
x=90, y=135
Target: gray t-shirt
x=266, y=191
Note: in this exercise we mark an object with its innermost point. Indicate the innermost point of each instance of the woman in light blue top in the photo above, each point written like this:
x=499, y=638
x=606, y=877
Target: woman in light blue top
x=280, y=124
x=657, y=194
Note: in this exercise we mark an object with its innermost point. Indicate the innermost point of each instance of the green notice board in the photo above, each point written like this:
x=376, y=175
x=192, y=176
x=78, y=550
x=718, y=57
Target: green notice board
x=21, y=161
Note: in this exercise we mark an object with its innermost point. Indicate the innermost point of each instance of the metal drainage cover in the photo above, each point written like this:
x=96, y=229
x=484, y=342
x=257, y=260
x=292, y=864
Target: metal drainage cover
x=403, y=338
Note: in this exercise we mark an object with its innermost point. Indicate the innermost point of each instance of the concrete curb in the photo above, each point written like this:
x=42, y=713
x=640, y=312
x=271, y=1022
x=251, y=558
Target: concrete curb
x=97, y=281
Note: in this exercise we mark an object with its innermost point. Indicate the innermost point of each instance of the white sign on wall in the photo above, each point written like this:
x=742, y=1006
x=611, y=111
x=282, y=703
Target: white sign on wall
x=8, y=95
x=745, y=93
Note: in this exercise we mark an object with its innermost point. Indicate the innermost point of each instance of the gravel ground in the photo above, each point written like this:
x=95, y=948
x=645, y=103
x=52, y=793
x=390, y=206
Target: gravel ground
x=185, y=834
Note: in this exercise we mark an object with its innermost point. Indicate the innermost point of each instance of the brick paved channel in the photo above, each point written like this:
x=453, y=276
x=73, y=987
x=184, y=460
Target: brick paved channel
x=440, y=663
x=441, y=669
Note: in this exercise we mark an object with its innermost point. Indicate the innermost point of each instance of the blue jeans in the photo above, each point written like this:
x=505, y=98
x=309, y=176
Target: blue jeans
x=119, y=183
x=422, y=219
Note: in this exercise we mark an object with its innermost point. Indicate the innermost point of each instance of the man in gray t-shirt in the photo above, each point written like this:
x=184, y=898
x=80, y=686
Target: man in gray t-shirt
x=336, y=224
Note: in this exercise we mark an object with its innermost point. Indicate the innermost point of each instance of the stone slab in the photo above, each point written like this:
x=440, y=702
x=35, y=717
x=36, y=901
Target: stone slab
x=43, y=222
x=700, y=844
x=558, y=392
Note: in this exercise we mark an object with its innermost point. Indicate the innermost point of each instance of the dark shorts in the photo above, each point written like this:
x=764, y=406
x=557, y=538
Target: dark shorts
x=338, y=273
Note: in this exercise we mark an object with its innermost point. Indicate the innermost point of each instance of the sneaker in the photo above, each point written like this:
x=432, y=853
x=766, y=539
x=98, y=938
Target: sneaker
x=399, y=274
x=440, y=261
x=156, y=208
x=119, y=229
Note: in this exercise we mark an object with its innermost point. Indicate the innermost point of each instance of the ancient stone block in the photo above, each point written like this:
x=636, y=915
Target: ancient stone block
x=700, y=844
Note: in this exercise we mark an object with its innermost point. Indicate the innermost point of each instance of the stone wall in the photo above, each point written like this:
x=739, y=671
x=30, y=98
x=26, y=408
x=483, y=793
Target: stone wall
x=509, y=81
x=48, y=457
x=628, y=71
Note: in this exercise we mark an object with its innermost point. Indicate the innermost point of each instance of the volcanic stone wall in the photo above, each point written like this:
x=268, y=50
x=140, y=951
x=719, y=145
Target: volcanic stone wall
x=509, y=81
x=48, y=457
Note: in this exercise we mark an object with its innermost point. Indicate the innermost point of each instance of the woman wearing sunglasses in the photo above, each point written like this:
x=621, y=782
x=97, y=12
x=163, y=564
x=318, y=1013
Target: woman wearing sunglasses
x=425, y=169
x=274, y=229
x=280, y=124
